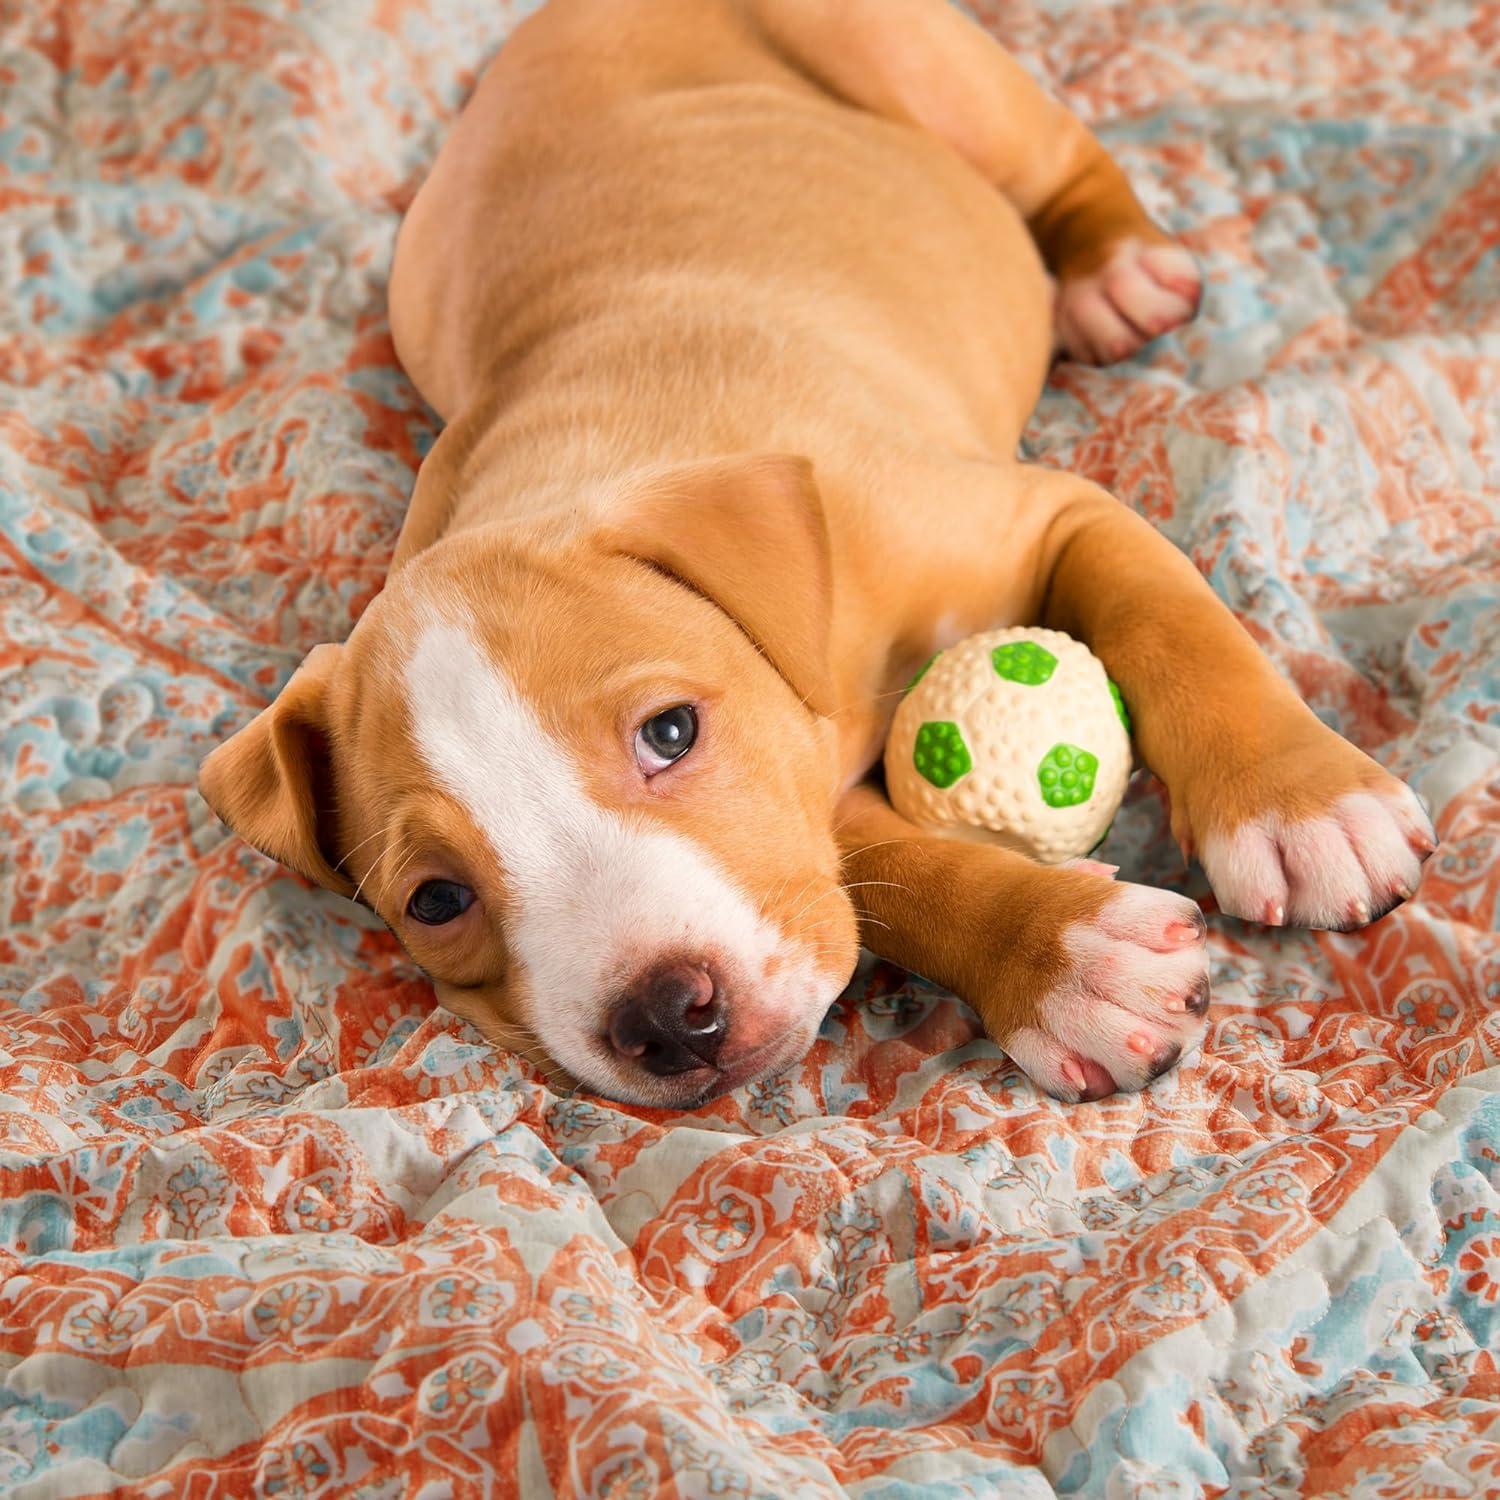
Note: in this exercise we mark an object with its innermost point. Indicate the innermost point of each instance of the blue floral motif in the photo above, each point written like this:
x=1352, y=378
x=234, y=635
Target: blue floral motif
x=463, y=1299
x=296, y=1472
x=286, y=1309
x=1179, y=1288
x=456, y=1387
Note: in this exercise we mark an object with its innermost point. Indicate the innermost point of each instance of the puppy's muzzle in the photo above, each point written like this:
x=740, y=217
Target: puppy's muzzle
x=670, y=1020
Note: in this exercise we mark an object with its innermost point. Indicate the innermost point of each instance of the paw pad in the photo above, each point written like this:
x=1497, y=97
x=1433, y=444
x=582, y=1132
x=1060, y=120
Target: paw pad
x=941, y=756
x=1066, y=775
x=1024, y=662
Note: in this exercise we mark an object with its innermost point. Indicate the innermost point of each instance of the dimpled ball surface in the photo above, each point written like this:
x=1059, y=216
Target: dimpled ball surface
x=1017, y=732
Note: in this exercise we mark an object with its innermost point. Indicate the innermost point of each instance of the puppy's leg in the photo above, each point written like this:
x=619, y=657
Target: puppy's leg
x=1291, y=823
x=1121, y=279
x=1089, y=985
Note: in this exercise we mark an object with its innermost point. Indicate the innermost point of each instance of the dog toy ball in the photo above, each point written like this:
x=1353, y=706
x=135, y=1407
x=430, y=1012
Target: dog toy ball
x=1018, y=732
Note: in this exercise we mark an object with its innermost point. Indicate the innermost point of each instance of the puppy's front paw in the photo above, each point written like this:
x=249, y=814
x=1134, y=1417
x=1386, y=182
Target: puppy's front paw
x=1141, y=292
x=1341, y=867
x=1127, y=998
x=1295, y=826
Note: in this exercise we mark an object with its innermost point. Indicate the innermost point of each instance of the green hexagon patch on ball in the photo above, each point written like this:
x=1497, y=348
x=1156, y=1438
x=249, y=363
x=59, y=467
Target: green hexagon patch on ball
x=1114, y=692
x=1024, y=662
x=940, y=755
x=1066, y=775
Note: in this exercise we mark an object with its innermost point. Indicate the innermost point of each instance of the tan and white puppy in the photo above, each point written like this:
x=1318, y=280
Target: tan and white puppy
x=735, y=310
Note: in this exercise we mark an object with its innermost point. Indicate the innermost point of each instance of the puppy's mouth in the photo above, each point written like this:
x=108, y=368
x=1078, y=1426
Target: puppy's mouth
x=691, y=1088
x=602, y=1071
x=771, y=1057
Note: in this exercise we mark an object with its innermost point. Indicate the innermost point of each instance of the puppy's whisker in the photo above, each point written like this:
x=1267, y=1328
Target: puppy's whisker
x=806, y=886
x=815, y=933
x=390, y=879
x=775, y=900
x=832, y=890
x=375, y=864
x=396, y=873
x=860, y=914
x=360, y=845
x=865, y=849
x=852, y=885
x=513, y=1037
x=801, y=892
x=535, y=1054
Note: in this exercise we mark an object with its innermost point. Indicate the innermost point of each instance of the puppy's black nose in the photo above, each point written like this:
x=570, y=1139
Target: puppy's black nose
x=670, y=1020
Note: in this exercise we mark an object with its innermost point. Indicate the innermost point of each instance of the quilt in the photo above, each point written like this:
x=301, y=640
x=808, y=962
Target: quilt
x=272, y=1224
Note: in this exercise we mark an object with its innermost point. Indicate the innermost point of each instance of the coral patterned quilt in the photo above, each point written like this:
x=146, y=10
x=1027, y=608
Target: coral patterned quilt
x=270, y=1224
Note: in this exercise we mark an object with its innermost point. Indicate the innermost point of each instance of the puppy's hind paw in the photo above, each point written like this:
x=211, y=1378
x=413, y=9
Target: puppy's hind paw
x=1141, y=292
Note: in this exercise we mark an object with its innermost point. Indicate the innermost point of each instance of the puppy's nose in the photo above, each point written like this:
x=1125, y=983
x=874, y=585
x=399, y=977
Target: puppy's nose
x=670, y=1020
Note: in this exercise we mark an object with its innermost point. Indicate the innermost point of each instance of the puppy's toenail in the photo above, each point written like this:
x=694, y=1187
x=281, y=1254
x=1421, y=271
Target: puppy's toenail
x=1275, y=916
x=1074, y=1074
x=1391, y=902
x=1165, y=1060
x=1196, y=1003
x=1141, y=1043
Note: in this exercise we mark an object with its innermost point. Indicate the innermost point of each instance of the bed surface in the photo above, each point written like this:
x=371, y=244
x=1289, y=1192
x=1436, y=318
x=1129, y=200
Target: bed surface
x=272, y=1224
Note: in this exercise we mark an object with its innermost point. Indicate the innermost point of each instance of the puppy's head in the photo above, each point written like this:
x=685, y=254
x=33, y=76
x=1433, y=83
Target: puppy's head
x=586, y=781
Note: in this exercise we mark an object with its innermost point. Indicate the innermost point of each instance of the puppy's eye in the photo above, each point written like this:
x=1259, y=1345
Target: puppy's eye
x=666, y=737
x=435, y=902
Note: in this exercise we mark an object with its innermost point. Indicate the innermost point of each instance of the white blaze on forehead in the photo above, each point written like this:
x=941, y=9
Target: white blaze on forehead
x=597, y=894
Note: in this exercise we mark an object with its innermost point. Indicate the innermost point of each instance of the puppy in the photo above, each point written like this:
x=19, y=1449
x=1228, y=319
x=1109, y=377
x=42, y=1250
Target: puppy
x=735, y=310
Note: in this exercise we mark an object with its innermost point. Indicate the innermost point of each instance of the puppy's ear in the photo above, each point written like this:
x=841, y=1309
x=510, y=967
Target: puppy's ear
x=749, y=535
x=272, y=782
